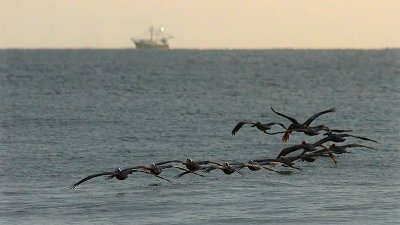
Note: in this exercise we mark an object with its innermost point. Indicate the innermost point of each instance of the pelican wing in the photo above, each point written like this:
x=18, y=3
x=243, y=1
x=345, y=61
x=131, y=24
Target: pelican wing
x=276, y=171
x=209, y=168
x=308, y=122
x=135, y=168
x=266, y=163
x=240, y=125
x=181, y=174
x=355, y=146
x=362, y=138
x=237, y=171
x=263, y=161
x=323, y=140
x=149, y=172
x=275, y=123
x=204, y=162
x=181, y=168
x=215, y=163
x=166, y=166
x=283, y=115
x=90, y=177
x=158, y=176
x=186, y=171
x=288, y=150
x=168, y=161
x=241, y=165
x=339, y=131
x=288, y=162
x=273, y=133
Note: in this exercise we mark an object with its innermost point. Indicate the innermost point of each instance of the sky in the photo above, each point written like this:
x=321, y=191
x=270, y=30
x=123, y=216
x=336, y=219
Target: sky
x=201, y=24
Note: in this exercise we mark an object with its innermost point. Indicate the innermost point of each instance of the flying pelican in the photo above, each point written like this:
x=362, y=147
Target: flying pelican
x=191, y=167
x=300, y=127
x=261, y=126
x=119, y=174
x=225, y=167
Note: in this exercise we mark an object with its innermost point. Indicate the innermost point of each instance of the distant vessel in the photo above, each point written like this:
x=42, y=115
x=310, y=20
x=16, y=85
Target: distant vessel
x=158, y=40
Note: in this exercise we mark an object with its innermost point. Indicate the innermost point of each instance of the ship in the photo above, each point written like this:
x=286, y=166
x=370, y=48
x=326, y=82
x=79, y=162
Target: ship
x=158, y=40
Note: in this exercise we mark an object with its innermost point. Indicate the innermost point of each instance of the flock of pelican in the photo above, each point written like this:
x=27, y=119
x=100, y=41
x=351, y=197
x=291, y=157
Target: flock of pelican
x=286, y=158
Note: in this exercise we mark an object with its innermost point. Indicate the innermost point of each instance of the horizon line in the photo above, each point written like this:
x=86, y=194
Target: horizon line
x=200, y=49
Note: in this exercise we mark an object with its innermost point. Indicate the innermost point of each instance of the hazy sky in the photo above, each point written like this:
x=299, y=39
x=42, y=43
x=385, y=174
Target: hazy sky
x=201, y=23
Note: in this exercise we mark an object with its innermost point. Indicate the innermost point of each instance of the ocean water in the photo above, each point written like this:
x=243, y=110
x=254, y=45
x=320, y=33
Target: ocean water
x=67, y=114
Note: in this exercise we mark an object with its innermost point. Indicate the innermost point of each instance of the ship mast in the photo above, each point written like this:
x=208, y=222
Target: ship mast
x=151, y=33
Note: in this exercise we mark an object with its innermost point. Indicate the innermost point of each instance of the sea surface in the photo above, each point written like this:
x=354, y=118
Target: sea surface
x=67, y=114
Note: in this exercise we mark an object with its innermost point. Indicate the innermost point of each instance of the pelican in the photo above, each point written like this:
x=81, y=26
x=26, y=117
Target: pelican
x=119, y=174
x=261, y=126
x=191, y=167
x=195, y=165
x=300, y=127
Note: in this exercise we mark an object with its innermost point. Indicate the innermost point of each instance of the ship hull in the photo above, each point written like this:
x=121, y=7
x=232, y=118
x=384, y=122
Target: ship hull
x=140, y=45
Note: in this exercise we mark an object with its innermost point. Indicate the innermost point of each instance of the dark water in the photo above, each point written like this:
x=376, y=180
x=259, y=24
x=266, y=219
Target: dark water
x=66, y=114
